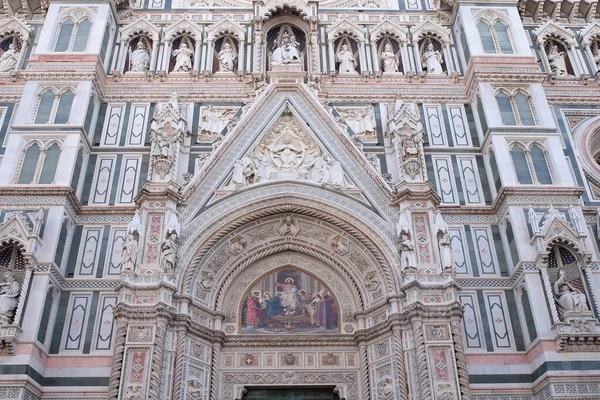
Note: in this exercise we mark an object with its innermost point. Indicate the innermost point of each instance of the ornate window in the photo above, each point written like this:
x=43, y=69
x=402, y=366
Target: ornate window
x=531, y=164
x=495, y=34
x=73, y=35
x=515, y=108
x=53, y=107
x=39, y=163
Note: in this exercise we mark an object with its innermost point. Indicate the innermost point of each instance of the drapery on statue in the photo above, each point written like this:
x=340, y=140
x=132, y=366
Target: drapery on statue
x=347, y=61
x=9, y=59
x=9, y=293
x=287, y=52
x=227, y=57
x=183, y=58
x=568, y=297
x=432, y=60
x=389, y=60
x=139, y=59
x=557, y=61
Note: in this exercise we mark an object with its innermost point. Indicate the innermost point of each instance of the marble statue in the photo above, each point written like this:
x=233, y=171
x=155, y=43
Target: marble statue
x=139, y=59
x=9, y=59
x=347, y=61
x=568, y=297
x=183, y=58
x=287, y=52
x=446, y=252
x=9, y=293
x=227, y=57
x=360, y=119
x=440, y=223
x=168, y=252
x=557, y=61
x=597, y=59
x=287, y=151
x=288, y=226
x=432, y=60
x=575, y=221
x=129, y=253
x=407, y=253
x=245, y=172
x=215, y=119
x=389, y=60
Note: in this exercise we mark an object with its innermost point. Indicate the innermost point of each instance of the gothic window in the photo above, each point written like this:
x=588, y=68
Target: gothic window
x=531, y=165
x=39, y=164
x=515, y=108
x=73, y=35
x=54, y=108
x=495, y=37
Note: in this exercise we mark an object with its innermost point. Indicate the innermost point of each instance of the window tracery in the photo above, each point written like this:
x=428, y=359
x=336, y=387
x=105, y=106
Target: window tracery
x=73, y=31
x=495, y=33
x=516, y=107
x=530, y=163
x=53, y=106
x=38, y=163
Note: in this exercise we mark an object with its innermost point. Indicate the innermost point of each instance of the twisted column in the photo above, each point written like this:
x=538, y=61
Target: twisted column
x=158, y=351
x=117, y=360
x=461, y=364
x=22, y=294
x=179, y=360
x=364, y=370
x=549, y=293
x=214, y=371
x=402, y=381
x=423, y=368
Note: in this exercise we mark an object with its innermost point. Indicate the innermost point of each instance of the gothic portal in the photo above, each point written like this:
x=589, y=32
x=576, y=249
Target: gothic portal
x=299, y=199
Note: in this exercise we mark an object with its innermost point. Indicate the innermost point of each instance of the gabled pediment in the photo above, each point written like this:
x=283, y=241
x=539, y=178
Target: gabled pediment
x=140, y=26
x=184, y=25
x=590, y=32
x=556, y=229
x=387, y=27
x=429, y=27
x=225, y=26
x=343, y=26
x=551, y=28
x=13, y=25
x=290, y=137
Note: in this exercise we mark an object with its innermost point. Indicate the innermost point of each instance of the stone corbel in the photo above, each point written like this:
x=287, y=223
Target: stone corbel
x=341, y=391
x=239, y=391
x=9, y=338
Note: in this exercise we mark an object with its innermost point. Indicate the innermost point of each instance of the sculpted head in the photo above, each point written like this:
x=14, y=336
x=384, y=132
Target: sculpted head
x=183, y=46
x=141, y=45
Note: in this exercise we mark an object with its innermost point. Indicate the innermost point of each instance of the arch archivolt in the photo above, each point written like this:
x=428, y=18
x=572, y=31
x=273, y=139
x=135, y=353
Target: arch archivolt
x=344, y=289
x=312, y=241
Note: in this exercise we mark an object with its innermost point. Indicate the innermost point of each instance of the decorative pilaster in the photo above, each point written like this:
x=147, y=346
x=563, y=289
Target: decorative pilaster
x=117, y=361
x=179, y=362
x=402, y=383
x=364, y=371
x=158, y=350
x=422, y=365
x=214, y=371
x=461, y=364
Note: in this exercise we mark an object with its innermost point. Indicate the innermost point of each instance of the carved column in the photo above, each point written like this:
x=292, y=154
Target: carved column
x=258, y=53
x=461, y=364
x=24, y=290
x=422, y=365
x=214, y=371
x=114, y=379
x=178, y=378
x=401, y=383
x=595, y=300
x=364, y=371
x=155, y=389
x=197, y=48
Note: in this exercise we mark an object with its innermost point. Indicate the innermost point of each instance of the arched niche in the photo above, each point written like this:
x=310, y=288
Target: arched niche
x=552, y=34
x=429, y=32
x=217, y=35
x=131, y=34
x=183, y=32
x=396, y=35
x=286, y=22
x=346, y=33
x=13, y=32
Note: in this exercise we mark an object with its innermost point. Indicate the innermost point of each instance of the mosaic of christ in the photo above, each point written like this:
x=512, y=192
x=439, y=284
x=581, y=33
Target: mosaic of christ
x=289, y=301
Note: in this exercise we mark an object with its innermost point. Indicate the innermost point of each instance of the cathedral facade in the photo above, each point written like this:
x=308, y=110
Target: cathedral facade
x=299, y=199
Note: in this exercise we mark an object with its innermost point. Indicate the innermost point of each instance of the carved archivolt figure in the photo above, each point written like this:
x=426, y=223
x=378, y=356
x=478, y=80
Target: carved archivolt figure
x=568, y=297
x=432, y=60
x=9, y=292
x=9, y=59
x=139, y=59
x=347, y=61
x=183, y=58
x=389, y=60
x=227, y=57
x=557, y=61
x=287, y=52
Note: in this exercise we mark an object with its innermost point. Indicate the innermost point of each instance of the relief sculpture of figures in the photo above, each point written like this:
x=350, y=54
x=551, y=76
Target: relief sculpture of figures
x=287, y=52
x=183, y=58
x=9, y=293
x=557, y=61
x=139, y=59
x=9, y=59
x=389, y=60
x=432, y=60
x=227, y=57
x=568, y=297
x=347, y=61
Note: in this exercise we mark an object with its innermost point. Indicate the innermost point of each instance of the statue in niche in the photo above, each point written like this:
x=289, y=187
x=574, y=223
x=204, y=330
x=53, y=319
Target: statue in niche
x=227, y=57
x=168, y=248
x=389, y=60
x=129, y=252
x=9, y=59
x=9, y=293
x=407, y=247
x=287, y=51
x=347, y=61
x=432, y=60
x=568, y=297
x=139, y=59
x=557, y=61
x=183, y=58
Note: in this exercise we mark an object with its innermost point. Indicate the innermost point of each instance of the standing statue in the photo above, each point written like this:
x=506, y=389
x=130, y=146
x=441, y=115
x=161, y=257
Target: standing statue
x=287, y=52
x=568, y=297
x=432, y=60
x=347, y=62
x=557, y=61
x=139, y=59
x=183, y=58
x=168, y=252
x=446, y=252
x=9, y=292
x=407, y=253
x=575, y=221
x=389, y=61
x=227, y=57
x=129, y=253
x=9, y=59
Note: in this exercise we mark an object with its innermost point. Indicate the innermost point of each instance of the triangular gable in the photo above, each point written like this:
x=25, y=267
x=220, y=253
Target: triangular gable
x=429, y=27
x=225, y=26
x=589, y=32
x=15, y=25
x=344, y=25
x=184, y=25
x=262, y=118
x=551, y=28
x=388, y=27
x=140, y=25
